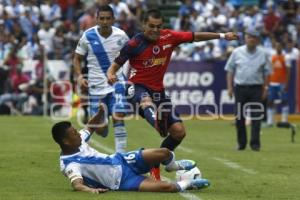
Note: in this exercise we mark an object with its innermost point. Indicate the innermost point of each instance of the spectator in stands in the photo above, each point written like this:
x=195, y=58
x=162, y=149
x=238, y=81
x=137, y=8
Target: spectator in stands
x=204, y=7
x=15, y=9
x=50, y=11
x=72, y=36
x=292, y=53
x=46, y=34
x=119, y=7
x=186, y=8
x=290, y=8
x=225, y=7
x=271, y=21
x=253, y=18
x=198, y=22
x=88, y=20
x=128, y=25
x=217, y=21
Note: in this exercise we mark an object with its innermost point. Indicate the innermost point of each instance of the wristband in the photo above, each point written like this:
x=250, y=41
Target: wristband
x=222, y=35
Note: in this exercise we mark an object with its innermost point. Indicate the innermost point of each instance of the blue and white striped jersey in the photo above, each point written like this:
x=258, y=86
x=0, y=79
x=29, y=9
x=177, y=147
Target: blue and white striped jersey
x=97, y=170
x=101, y=52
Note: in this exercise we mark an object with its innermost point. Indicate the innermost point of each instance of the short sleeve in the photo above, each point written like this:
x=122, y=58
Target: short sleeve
x=230, y=64
x=82, y=47
x=72, y=172
x=125, y=53
x=182, y=37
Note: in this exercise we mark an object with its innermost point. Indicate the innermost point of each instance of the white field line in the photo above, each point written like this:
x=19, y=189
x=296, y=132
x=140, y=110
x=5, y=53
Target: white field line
x=101, y=146
x=235, y=165
x=186, y=195
x=185, y=149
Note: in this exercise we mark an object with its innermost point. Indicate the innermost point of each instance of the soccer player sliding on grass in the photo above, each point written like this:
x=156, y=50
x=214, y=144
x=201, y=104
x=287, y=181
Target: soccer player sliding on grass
x=95, y=172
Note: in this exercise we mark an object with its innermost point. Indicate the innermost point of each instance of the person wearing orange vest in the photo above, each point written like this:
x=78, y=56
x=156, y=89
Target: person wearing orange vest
x=278, y=86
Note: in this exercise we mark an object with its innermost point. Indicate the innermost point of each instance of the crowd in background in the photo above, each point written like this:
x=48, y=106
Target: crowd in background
x=39, y=29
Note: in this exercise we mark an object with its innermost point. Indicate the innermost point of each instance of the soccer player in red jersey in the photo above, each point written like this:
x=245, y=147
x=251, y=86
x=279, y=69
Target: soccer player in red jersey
x=149, y=54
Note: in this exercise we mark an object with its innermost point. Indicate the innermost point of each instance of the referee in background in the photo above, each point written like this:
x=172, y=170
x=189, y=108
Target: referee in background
x=248, y=69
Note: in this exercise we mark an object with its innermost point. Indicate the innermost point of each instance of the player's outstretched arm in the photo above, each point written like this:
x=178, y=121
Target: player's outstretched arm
x=203, y=36
x=97, y=122
x=111, y=73
x=78, y=185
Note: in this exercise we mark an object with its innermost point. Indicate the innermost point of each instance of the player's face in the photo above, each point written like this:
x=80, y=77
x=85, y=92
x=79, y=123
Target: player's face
x=105, y=20
x=251, y=41
x=73, y=137
x=152, y=28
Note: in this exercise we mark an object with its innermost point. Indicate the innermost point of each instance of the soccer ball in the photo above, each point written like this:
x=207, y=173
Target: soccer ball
x=188, y=174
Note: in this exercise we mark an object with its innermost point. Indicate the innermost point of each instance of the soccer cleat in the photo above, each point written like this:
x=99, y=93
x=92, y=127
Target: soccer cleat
x=155, y=173
x=161, y=124
x=182, y=165
x=199, y=183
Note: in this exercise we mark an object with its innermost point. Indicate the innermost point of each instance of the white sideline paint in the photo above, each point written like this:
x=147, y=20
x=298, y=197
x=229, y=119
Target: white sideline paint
x=104, y=148
x=235, y=165
x=187, y=150
x=186, y=195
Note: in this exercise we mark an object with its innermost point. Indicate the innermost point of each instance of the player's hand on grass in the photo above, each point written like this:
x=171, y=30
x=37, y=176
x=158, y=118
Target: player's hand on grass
x=98, y=190
x=231, y=36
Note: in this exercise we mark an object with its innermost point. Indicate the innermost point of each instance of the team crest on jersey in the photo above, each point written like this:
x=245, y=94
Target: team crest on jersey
x=119, y=42
x=156, y=50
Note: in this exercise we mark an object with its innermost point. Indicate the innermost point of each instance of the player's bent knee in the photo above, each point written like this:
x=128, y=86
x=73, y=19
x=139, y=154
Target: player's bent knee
x=166, y=152
x=177, y=131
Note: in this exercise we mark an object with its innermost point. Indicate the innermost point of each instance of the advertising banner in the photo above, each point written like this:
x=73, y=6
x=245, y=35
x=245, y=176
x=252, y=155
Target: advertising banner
x=200, y=87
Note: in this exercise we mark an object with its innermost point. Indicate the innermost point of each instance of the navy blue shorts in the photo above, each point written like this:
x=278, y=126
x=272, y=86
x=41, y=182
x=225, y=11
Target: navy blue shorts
x=135, y=93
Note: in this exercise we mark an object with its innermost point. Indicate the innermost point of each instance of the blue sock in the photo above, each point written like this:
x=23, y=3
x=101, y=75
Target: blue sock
x=120, y=137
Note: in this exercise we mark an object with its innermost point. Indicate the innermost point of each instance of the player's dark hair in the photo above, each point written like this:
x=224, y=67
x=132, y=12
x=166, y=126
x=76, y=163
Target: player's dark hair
x=155, y=13
x=105, y=8
x=59, y=131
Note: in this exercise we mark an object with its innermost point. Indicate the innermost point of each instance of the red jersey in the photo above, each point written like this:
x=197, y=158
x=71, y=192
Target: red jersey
x=149, y=60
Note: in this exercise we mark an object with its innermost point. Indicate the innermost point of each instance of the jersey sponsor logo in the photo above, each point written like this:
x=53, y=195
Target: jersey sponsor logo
x=121, y=42
x=156, y=50
x=167, y=46
x=154, y=62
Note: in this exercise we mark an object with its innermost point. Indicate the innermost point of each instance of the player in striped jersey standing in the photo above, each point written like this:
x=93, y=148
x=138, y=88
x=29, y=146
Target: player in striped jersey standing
x=100, y=45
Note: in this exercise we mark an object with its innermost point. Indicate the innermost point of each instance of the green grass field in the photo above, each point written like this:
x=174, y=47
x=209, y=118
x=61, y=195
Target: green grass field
x=29, y=167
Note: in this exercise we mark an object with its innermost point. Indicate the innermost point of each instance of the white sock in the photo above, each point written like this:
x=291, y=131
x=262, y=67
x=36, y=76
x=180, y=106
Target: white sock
x=172, y=164
x=183, y=185
x=120, y=137
x=284, y=113
x=270, y=115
